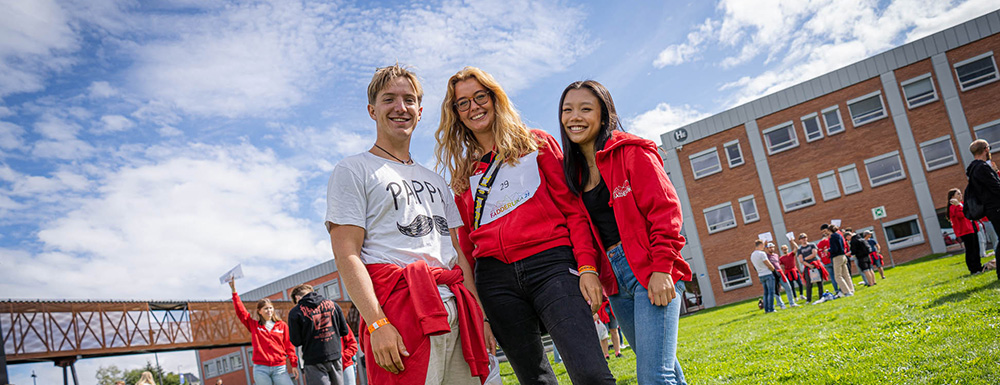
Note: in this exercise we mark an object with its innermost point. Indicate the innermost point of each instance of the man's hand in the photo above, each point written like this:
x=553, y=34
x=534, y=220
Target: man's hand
x=661, y=289
x=294, y=373
x=387, y=346
x=590, y=286
x=491, y=342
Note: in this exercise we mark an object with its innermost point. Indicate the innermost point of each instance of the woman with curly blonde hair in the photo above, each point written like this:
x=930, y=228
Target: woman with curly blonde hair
x=525, y=233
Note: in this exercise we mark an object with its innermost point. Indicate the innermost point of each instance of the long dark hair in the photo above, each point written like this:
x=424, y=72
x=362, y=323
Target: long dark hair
x=573, y=158
x=951, y=194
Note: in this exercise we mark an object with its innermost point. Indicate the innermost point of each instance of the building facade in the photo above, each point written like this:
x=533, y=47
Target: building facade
x=890, y=131
x=234, y=365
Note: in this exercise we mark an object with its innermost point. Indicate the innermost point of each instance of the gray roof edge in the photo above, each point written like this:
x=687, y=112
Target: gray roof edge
x=669, y=142
x=280, y=285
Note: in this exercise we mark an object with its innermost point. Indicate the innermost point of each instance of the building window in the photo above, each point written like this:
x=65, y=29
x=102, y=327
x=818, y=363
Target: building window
x=831, y=118
x=748, y=205
x=976, y=71
x=884, y=169
x=938, y=153
x=734, y=154
x=904, y=232
x=866, y=109
x=989, y=132
x=919, y=91
x=849, y=179
x=720, y=217
x=828, y=185
x=209, y=372
x=810, y=124
x=735, y=275
x=331, y=290
x=705, y=163
x=780, y=138
x=796, y=195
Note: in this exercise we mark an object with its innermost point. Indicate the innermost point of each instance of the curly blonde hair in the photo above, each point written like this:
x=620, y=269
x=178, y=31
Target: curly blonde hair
x=457, y=148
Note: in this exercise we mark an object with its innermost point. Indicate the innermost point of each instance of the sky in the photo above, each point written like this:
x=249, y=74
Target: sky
x=148, y=147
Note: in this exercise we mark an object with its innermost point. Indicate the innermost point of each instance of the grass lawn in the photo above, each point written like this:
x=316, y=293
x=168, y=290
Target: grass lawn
x=928, y=322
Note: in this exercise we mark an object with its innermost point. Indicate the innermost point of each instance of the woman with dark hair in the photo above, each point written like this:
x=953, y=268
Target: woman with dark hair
x=526, y=234
x=636, y=218
x=965, y=229
x=269, y=338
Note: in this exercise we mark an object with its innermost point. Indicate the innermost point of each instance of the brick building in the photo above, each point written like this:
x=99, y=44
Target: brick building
x=892, y=130
x=233, y=364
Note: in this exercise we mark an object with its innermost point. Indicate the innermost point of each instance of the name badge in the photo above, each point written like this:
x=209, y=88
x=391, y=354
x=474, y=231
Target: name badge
x=513, y=186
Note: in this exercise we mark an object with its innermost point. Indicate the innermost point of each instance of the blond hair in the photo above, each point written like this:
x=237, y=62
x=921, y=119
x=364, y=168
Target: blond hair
x=146, y=379
x=383, y=76
x=457, y=148
x=260, y=305
x=978, y=146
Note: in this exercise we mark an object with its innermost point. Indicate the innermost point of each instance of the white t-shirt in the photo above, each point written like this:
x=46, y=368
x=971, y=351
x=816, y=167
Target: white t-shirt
x=406, y=210
x=758, y=259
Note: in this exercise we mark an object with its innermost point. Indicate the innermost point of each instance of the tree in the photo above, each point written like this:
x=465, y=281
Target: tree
x=108, y=375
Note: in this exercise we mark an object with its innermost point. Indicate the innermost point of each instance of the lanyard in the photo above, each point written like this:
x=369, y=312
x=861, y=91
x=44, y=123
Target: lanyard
x=483, y=191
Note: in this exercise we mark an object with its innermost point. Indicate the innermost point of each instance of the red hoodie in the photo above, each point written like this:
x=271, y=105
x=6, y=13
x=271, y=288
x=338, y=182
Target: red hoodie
x=270, y=347
x=960, y=224
x=646, y=209
x=553, y=217
x=349, y=347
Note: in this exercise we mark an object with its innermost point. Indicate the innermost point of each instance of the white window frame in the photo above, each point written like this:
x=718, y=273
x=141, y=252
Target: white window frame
x=718, y=162
x=756, y=212
x=871, y=118
x=826, y=124
x=832, y=175
x=902, y=169
x=929, y=78
x=994, y=147
x=996, y=75
x=716, y=207
x=851, y=168
x=812, y=194
x=331, y=283
x=725, y=148
x=726, y=286
x=767, y=142
x=908, y=241
x=954, y=158
x=813, y=116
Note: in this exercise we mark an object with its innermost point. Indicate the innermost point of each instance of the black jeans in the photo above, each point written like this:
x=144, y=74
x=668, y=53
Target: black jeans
x=521, y=297
x=971, y=241
x=809, y=285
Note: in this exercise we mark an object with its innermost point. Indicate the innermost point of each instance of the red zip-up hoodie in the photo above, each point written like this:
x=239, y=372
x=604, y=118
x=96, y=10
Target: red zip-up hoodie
x=553, y=217
x=646, y=209
x=269, y=347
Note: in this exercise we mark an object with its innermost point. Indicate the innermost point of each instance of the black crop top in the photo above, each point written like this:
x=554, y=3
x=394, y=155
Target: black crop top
x=596, y=200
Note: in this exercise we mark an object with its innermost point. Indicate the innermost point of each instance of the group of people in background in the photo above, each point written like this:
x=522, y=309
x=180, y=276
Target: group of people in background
x=984, y=192
x=803, y=264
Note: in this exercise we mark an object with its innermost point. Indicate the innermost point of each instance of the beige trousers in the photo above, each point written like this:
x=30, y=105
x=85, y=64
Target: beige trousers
x=842, y=275
x=447, y=365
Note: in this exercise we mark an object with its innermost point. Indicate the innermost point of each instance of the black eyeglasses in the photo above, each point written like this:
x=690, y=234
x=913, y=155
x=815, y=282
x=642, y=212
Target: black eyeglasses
x=480, y=98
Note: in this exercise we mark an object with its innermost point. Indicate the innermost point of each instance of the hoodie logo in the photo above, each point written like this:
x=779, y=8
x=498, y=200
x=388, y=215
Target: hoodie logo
x=622, y=191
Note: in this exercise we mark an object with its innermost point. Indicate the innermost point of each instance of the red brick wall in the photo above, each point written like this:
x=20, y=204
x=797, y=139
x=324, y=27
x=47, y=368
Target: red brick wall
x=980, y=104
x=237, y=377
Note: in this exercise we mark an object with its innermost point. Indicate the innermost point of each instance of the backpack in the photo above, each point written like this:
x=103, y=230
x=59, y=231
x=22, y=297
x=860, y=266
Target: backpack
x=972, y=207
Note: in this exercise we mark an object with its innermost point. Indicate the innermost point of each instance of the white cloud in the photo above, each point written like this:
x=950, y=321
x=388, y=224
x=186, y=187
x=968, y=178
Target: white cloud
x=60, y=140
x=653, y=123
x=34, y=37
x=10, y=136
x=168, y=131
x=113, y=123
x=677, y=54
x=101, y=90
x=187, y=213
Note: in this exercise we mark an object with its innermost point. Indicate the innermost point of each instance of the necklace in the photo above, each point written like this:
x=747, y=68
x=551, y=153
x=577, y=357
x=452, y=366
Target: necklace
x=394, y=157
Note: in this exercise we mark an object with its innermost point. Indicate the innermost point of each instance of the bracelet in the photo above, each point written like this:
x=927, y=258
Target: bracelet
x=588, y=269
x=377, y=324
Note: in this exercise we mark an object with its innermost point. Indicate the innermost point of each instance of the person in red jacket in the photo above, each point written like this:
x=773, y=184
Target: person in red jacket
x=527, y=235
x=636, y=219
x=965, y=229
x=791, y=271
x=270, y=341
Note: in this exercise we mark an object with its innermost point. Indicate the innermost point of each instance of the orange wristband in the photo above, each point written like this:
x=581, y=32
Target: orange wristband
x=587, y=269
x=377, y=324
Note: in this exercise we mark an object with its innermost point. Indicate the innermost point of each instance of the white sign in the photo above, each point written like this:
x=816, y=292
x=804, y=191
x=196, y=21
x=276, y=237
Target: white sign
x=513, y=186
x=766, y=237
x=878, y=212
x=835, y=222
x=790, y=236
x=235, y=273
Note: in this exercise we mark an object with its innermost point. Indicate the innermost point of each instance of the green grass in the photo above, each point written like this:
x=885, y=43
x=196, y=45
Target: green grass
x=928, y=322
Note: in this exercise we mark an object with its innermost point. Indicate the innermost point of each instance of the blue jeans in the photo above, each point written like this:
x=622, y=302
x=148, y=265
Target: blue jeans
x=270, y=375
x=651, y=329
x=539, y=291
x=788, y=290
x=349, y=375
x=833, y=280
x=768, y=282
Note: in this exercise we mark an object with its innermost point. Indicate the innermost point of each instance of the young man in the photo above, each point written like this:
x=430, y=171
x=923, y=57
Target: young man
x=765, y=272
x=823, y=247
x=876, y=252
x=984, y=182
x=317, y=325
x=838, y=254
x=808, y=255
x=392, y=224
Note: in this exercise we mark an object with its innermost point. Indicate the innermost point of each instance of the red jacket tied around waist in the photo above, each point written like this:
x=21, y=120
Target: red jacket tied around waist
x=411, y=301
x=646, y=209
x=553, y=217
x=270, y=346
